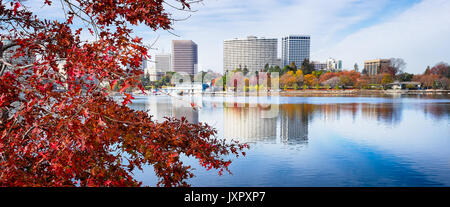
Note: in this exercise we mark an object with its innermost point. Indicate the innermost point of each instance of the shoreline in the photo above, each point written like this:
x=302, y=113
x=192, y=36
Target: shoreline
x=314, y=92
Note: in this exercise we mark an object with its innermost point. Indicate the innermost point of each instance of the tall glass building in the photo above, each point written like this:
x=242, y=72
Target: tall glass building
x=295, y=48
x=184, y=56
x=252, y=53
x=162, y=62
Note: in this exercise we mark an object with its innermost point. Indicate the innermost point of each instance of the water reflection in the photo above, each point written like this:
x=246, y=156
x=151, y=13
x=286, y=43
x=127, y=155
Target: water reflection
x=250, y=122
x=321, y=141
x=247, y=124
x=437, y=111
x=159, y=108
x=294, y=123
x=389, y=113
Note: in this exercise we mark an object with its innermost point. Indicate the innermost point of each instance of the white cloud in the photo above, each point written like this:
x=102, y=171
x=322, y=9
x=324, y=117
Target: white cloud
x=225, y=19
x=419, y=35
x=342, y=29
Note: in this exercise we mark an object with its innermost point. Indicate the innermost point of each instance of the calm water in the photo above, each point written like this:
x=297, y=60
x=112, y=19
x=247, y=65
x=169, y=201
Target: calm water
x=320, y=141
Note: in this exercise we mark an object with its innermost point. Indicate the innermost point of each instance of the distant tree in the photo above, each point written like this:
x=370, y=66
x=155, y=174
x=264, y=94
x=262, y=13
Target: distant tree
x=266, y=67
x=345, y=80
x=307, y=67
x=237, y=70
x=288, y=79
x=398, y=65
x=428, y=81
x=443, y=83
x=310, y=80
x=356, y=68
x=245, y=71
x=362, y=83
x=441, y=69
x=326, y=76
x=145, y=79
x=353, y=75
x=317, y=73
x=275, y=69
x=292, y=66
x=405, y=77
x=332, y=82
x=364, y=71
x=285, y=69
x=427, y=71
x=387, y=78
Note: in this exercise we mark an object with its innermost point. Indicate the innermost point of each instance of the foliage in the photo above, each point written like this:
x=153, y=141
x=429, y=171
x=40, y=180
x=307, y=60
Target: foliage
x=307, y=67
x=405, y=77
x=387, y=78
x=441, y=69
x=427, y=81
x=59, y=127
x=332, y=81
x=311, y=80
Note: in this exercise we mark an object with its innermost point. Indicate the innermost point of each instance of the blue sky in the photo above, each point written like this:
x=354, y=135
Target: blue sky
x=351, y=30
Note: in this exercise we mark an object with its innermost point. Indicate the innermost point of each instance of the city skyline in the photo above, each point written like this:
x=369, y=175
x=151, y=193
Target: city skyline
x=351, y=31
x=295, y=48
x=184, y=56
x=251, y=53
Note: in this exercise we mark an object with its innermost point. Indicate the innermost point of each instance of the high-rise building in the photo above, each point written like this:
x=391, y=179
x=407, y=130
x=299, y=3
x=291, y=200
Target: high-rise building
x=373, y=67
x=295, y=48
x=252, y=53
x=334, y=65
x=162, y=62
x=318, y=65
x=184, y=56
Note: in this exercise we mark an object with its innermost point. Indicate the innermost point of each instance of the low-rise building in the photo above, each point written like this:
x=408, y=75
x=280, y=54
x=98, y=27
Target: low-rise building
x=373, y=67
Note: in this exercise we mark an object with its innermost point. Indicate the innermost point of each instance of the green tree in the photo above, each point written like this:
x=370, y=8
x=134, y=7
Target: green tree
x=245, y=70
x=266, y=67
x=387, y=78
x=356, y=68
x=292, y=66
x=405, y=77
x=307, y=67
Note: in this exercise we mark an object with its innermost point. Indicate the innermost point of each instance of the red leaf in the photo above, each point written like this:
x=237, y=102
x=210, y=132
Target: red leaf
x=100, y=122
x=124, y=88
x=16, y=6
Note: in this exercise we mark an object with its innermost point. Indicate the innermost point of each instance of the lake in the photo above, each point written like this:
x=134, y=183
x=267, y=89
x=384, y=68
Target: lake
x=319, y=141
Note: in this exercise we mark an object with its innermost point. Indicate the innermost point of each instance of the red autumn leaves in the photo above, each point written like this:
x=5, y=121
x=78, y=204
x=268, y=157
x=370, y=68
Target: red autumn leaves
x=59, y=127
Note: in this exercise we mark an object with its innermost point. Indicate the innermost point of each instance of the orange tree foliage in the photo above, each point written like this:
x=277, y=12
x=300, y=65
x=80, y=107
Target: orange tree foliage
x=59, y=127
x=349, y=77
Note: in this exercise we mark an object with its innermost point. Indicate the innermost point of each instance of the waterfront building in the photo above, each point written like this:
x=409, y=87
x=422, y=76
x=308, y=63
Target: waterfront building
x=154, y=74
x=163, y=62
x=373, y=67
x=319, y=65
x=334, y=65
x=184, y=56
x=295, y=48
x=252, y=53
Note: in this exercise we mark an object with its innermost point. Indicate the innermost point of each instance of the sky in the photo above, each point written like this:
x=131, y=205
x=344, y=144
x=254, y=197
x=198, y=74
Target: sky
x=417, y=31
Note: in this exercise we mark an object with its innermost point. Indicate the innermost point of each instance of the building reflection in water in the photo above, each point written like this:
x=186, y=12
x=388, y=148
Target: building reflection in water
x=159, y=108
x=436, y=110
x=389, y=113
x=247, y=123
x=294, y=123
x=287, y=123
x=252, y=124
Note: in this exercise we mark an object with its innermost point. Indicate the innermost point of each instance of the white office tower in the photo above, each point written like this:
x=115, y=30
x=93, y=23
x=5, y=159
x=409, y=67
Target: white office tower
x=251, y=53
x=184, y=56
x=295, y=48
